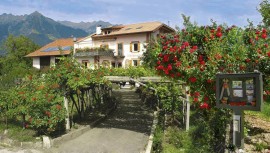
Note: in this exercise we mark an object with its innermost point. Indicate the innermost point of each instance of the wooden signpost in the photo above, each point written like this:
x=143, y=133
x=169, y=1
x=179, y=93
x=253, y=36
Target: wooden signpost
x=239, y=92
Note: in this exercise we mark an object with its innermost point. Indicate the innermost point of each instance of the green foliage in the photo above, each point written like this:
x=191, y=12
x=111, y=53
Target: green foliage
x=133, y=72
x=264, y=9
x=261, y=146
x=14, y=65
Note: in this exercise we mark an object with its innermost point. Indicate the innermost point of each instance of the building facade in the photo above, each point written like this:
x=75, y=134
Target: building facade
x=116, y=46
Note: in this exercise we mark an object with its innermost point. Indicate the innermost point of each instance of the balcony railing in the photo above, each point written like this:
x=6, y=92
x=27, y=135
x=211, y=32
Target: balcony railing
x=86, y=52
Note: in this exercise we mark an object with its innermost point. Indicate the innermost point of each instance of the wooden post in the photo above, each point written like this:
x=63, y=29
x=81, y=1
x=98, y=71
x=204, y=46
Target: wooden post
x=238, y=128
x=67, y=113
x=188, y=108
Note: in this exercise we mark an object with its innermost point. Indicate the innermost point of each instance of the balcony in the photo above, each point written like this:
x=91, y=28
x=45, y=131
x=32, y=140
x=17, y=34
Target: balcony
x=89, y=52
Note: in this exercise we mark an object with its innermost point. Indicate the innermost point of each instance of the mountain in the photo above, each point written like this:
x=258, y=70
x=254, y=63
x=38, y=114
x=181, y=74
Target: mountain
x=89, y=27
x=37, y=27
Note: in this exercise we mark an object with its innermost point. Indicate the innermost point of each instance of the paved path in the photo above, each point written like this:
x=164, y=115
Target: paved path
x=125, y=131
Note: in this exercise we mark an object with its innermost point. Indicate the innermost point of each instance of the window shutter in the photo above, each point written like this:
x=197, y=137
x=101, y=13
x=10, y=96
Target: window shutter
x=139, y=62
x=139, y=46
x=130, y=47
x=130, y=62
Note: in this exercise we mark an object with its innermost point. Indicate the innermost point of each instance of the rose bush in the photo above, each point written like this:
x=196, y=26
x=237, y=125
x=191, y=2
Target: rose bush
x=196, y=54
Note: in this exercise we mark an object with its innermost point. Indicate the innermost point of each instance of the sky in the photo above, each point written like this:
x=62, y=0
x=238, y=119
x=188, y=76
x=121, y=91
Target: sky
x=231, y=12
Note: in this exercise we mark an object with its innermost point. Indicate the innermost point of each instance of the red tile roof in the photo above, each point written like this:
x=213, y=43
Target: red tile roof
x=52, y=49
x=136, y=28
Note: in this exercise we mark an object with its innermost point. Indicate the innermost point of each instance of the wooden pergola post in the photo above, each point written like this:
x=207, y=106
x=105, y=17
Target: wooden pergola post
x=67, y=113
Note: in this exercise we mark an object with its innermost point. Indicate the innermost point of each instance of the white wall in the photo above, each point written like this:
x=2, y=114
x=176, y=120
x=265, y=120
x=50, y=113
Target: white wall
x=126, y=40
x=87, y=42
x=36, y=62
x=52, y=61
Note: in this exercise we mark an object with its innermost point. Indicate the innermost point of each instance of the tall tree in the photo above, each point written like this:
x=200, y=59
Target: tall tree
x=15, y=65
x=265, y=12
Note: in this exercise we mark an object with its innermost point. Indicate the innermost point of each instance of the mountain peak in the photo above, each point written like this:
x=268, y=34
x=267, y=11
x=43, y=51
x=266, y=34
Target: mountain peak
x=36, y=13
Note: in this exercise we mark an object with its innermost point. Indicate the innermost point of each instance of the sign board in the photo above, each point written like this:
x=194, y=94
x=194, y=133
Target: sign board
x=239, y=91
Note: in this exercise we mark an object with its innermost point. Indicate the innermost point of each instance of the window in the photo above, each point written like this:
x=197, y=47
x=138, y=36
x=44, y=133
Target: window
x=119, y=64
x=45, y=61
x=57, y=60
x=116, y=64
x=113, y=64
x=135, y=46
x=107, y=32
x=120, y=49
x=85, y=63
x=135, y=62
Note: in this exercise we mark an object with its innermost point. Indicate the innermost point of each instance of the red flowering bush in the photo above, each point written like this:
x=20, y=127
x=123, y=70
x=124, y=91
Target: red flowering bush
x=196, y=54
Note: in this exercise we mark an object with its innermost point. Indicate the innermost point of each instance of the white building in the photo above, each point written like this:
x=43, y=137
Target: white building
x=125, y=44
x=116, y=46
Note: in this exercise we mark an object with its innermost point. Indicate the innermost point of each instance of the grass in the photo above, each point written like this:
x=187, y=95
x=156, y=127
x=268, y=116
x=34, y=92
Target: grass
x=264, y=114
x=16, y=132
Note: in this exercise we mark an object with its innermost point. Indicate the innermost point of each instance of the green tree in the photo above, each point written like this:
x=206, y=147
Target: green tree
x=265, y=12
x=14, y=64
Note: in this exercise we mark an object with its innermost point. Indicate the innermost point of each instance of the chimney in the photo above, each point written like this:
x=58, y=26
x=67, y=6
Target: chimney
x=98, y=30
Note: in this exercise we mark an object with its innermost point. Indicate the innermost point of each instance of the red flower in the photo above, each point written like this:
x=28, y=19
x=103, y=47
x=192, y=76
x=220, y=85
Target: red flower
x=200, y=58
x=268, y=53
x=209, y=81
x=248, y=60
x=195, y=99
x=206, y=98
x=264, y=30
x=34, y=99
x=48, y=113
x=178, y=64
x=264, y=35
x=204, y=106
x=59, y=107
x=160, y=67
x=178, y=74
x=186, y=44
x=218, y=34
x=175, y=59
x=197, y=94
x=202, y=62
x=219, y=29
x=158, y=62
x=192, y=79
x=192, y=50
x=160, y=55
x=172, y=49
x=169, y=67
x=166, y=58
x=166, y=71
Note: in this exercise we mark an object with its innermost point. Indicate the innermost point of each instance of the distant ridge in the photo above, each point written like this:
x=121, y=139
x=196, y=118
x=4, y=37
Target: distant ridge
x=89, y=27
x=43, y=30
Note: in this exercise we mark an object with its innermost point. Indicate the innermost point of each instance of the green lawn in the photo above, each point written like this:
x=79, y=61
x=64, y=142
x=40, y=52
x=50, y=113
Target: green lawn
x=264, y=114
x=16, y=132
